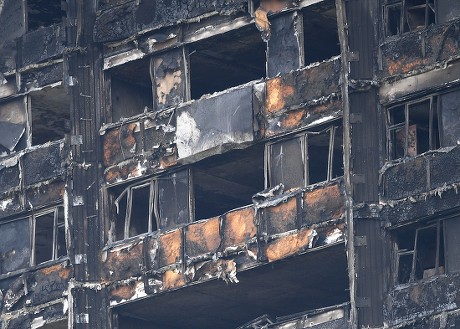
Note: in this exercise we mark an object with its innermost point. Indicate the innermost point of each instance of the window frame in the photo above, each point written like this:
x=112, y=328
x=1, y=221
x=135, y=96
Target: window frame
x=403, y=20
x=304, y=137
x=392, y=128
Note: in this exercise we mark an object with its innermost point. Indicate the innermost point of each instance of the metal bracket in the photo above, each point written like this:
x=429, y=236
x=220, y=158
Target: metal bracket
x=362, y=302
x=353, y=56
x=82, y=318
x=76, y=140
x=78, y=201
x=358, y=179
x=361, y=241
x=80, y=259
x=356, y=118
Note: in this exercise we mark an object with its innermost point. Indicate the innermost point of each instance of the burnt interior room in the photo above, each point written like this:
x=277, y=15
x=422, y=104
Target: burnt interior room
x=321, y=39
x=43, y=13
x=131, y=89
x=227, y=60
x=281, y=288
x=227, y=181
x=50, y=110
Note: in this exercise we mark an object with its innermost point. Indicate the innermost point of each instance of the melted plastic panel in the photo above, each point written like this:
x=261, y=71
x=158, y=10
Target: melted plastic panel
x=15, y=248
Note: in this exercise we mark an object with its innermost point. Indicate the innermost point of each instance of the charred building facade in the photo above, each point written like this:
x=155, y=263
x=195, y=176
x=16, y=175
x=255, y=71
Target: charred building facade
x=229, y=164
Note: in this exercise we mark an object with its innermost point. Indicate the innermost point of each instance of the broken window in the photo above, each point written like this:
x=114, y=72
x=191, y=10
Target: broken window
x=49, y=235
x=225, y=61
x=143, y=207
x=227, y=181
x=425, y=124
x=32, y=240
x=420, y=253
x=413, y=127
x=321, y=38
x=43, y=13
x=130, y=89
x=50, y=111
x=408, y=15
x=306, y=159
x=13, y=125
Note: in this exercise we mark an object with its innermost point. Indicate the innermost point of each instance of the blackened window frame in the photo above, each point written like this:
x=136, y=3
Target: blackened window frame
x=306, y=158
x=403, y=25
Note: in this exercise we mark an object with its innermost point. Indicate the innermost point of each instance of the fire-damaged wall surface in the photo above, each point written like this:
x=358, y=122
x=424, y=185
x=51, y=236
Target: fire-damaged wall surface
x=233, y=164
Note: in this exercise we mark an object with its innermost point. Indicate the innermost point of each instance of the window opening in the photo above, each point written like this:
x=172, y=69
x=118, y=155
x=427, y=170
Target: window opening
x=131, y=89
x=50, y=111
x=225, y=61
x=43, y=13
x=147, y=206
x=420, y=253
x=321, y=38
x=413, y=128
x=306, y=159
x=227, y=181
x=13, y=125
x=408, y=15
x=49, y=235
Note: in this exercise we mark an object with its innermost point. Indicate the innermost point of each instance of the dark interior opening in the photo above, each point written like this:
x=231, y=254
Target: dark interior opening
x=43, y=13
x=50, y=108
x=44, y=225
x=225, y=61
x=321, y=38
x=227, y=181
x=278, y=289
x=427, y=243
x=318, y=156
x=131, y=89
x=134, y=204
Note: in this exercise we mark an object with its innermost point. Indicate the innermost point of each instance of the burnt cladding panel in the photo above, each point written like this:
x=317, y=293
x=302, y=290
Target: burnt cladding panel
x=14, y=245
x=283, y=46
x=370, y=272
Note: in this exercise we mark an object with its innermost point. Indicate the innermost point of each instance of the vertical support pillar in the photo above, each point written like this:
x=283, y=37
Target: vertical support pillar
x=85, y=72
x=285, y=47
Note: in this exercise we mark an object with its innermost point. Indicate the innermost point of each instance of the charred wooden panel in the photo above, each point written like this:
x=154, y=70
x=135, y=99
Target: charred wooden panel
x=418, y=51
x=42, y=44
x=170, y=78
x=302, y=86
x=210, y=122
x=284, y=50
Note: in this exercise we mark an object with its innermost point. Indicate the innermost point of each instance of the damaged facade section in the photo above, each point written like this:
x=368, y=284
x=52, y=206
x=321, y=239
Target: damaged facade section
x=229, y=164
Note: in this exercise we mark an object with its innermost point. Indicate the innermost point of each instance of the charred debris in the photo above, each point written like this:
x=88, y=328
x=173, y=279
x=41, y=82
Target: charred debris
x=229, y=164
